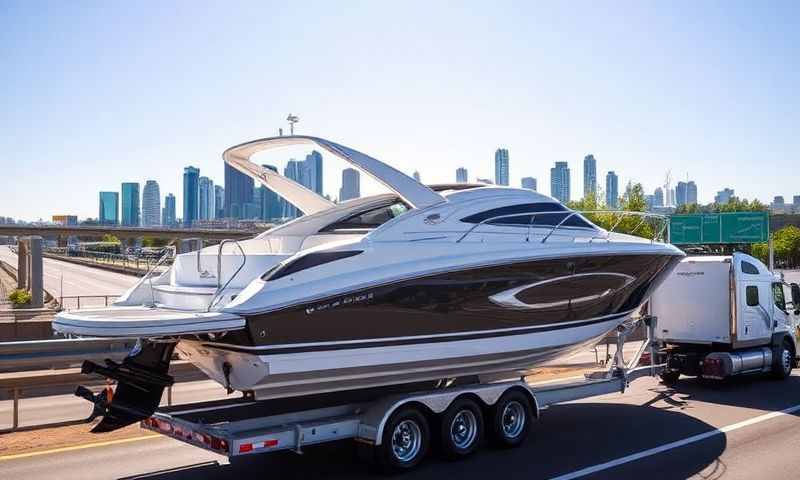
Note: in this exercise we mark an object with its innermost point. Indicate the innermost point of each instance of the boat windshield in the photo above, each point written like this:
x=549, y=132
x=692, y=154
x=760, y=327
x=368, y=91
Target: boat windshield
x=369, y=219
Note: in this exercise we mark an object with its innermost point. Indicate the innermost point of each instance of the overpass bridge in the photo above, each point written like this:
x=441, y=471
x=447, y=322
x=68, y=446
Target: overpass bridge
x=126, y=233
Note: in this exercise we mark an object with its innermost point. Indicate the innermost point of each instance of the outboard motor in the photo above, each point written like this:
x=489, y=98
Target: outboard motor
x=141, y=379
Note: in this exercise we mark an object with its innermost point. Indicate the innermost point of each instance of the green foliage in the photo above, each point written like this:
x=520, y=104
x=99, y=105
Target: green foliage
x=20, y=297
x=787, y=247
x=633, y=201
x=107, y=237
x=150, y=242
x=735, y=205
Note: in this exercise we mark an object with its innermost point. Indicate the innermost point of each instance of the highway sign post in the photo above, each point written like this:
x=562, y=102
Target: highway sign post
x=716, y=228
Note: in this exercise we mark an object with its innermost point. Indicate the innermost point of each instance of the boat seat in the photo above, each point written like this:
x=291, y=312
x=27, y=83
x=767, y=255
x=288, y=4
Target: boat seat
x=140, y=321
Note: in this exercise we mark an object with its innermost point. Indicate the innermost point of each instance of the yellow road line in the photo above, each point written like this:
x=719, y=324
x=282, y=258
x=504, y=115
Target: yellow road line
x=77, y=447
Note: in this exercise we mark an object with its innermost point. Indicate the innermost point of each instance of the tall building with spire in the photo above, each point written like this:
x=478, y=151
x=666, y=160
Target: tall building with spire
x=151, y=204
x=501, y=166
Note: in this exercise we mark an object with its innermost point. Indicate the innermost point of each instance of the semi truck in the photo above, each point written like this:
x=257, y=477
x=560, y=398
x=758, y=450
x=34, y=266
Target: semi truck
x=722, y=316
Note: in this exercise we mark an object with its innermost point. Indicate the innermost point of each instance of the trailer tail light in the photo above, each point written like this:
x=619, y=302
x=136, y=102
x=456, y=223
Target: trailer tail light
x=249, y=447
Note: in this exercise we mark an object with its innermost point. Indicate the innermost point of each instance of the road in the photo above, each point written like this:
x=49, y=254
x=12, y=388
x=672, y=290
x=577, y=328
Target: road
x=77, y=279
x=727, y=430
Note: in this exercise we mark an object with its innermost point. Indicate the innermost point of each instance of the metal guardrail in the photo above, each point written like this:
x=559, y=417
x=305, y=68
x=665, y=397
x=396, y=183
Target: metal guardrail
x=15, y=357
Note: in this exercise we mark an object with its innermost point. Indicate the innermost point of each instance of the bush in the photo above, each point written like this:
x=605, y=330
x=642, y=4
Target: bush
x=20, y=297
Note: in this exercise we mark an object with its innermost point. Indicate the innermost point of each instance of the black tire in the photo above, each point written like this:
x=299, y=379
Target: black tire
x=670, y=377
x=405, y=442
x=782, y=360
x=512, y=416
x=461, y=429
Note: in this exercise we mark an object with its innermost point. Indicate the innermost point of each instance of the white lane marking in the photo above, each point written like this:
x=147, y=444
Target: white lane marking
x=673, y=445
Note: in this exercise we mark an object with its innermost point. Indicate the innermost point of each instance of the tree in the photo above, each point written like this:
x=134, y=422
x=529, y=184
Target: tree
x=787, y=247
x=107, y=237
x=633, y=201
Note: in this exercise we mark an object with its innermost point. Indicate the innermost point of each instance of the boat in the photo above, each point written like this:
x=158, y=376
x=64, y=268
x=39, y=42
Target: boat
x=422, y=284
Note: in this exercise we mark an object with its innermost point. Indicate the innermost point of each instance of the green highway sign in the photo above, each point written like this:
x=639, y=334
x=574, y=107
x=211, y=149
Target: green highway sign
x=705, y=228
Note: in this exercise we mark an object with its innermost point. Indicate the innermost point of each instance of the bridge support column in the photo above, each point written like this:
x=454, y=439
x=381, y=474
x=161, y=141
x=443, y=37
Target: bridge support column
x=36, y=272
x=22, y=263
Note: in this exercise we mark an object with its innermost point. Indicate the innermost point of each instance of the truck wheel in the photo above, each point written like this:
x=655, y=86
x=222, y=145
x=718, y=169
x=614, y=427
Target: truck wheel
x=511, y=419
x=461, y=429
x=670, y=377
x=782, y=361
x=406, y=438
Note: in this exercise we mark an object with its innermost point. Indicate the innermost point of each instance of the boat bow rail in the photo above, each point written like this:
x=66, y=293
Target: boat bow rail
x=658, y=234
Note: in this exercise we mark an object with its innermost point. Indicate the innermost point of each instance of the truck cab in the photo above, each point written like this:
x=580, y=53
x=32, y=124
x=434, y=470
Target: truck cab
x=726, y=315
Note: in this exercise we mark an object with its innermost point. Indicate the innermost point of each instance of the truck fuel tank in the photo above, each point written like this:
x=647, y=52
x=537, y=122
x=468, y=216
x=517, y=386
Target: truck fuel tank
x=718, y=365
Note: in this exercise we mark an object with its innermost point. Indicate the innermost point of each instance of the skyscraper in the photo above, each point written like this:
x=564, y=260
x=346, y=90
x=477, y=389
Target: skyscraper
x=680, y=194
x=151, y=204
x=589, y=176
x=191, y=195
x=313, y=167
x=612, y=190
x=272, y=205
x=351, y=184
x=691, y=193
x=130, y=204
x=501, y=166
x=461, y=175
x=109, y=208
x=529, y=183
x=658, y=197
x=417, y=176
x=238, y=192
x=724, y=196
x=207, y=199
x=168, y=212
x=219, y=201
x=559, y=182
x=295, y=171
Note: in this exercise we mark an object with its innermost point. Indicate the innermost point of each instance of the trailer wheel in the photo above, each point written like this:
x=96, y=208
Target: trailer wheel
x=511, y=419
x=670, y=377
x=406, y=438
x=461, y=429
x=782, y=361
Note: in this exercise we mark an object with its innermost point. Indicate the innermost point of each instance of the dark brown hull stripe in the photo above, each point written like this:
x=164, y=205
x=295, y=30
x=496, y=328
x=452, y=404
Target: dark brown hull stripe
x=411, y=341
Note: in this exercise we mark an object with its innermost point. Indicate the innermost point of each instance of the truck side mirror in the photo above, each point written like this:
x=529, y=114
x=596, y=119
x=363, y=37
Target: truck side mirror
x=795, y=298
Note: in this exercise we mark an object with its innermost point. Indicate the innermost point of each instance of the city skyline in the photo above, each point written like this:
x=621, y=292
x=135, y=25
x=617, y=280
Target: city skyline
x=624, y=102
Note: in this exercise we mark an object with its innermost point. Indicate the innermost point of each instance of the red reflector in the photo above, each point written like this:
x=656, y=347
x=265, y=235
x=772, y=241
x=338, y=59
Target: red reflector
x=270, y=443
x=245, y=447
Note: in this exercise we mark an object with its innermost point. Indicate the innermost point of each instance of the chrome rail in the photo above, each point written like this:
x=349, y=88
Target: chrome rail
x=148, y=277
x=220, y=287
x=569, y=214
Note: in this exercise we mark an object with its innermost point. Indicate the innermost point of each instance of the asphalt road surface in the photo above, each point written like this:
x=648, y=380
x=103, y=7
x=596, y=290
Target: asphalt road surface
x=740, y=429
x=77, y=279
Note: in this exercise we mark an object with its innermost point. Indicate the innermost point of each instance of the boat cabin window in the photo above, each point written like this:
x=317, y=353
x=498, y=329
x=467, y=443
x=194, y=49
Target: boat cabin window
x=780, y=299
x=749, y=268
x=751, y=292
x=369, y=219
x=525, y=214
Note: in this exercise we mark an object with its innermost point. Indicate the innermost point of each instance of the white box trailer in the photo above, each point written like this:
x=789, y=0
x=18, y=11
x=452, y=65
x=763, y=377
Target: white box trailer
x=726, y=315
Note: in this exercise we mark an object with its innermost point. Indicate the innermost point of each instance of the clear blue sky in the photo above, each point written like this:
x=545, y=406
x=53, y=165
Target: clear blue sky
x=96, y=93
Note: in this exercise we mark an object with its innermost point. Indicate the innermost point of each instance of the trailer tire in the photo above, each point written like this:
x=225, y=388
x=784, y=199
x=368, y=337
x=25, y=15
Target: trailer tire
x=782, y=360
x=511, y=419
x=406, y=439
x=670, y=377
x=461, y=429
